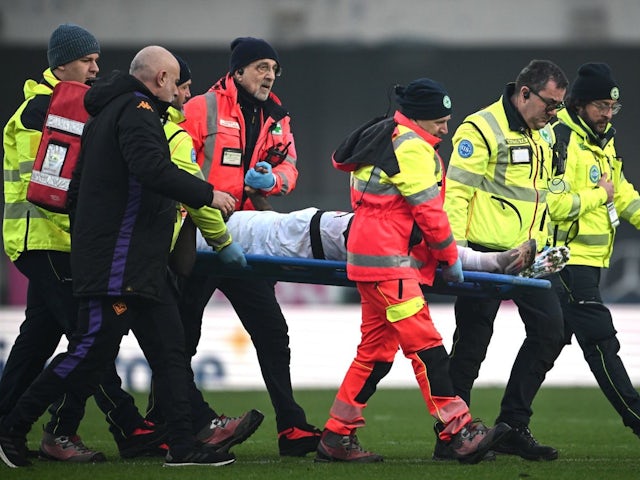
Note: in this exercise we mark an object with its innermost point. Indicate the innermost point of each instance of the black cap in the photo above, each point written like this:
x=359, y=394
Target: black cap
x=245, y=50
x=185, y=71
x=594, y=82
x=423, y=99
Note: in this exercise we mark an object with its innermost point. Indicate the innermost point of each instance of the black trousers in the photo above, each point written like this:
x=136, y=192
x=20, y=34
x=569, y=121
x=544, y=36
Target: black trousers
x=95, y=343
x=52, y=312
x=255, y=304
x=590, y=321
x=542, y=317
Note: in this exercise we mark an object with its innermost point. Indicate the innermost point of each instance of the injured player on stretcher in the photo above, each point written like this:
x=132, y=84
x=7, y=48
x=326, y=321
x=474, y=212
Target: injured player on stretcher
x=319, y=234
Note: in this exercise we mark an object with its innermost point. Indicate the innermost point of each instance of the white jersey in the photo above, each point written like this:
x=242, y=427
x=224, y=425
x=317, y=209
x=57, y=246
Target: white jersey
x=265, y=232
x=271, y=233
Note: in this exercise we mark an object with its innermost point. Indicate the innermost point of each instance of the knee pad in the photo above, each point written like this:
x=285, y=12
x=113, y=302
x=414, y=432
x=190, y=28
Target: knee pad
x=437, y=362
x=380, y=370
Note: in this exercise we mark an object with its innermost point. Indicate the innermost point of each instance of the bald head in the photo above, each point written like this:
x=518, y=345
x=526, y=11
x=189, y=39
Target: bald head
x=158, y=69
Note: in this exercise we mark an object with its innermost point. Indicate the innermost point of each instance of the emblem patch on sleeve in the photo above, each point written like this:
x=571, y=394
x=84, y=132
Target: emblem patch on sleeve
x=119, y=307
x=465, y=149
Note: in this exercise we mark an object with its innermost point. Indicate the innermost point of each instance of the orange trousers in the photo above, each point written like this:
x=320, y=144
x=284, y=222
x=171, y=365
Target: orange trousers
x=395, y=314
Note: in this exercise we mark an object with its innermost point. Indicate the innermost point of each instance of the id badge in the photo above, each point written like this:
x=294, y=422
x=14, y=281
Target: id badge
x=232, y=157
x=520, y=155
x=613, y=215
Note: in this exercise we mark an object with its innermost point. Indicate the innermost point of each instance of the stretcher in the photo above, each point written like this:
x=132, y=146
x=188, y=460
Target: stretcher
x=330, y=272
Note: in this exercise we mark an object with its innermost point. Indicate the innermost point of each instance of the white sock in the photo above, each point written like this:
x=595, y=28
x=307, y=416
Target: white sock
x=475, y=261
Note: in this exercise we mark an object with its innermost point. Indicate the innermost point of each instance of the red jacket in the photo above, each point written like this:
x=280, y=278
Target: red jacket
x=400, y=230
x=215, y=122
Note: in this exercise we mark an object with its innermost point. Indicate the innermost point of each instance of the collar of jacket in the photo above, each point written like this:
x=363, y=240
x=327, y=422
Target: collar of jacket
x=432, y=140
x=577, y=124
x=173, y=115
x=516, y=122
x=272, y=106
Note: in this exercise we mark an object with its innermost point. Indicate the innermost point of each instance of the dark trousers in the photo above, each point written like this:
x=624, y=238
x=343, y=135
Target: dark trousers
x=542, y=317
x=590, y=321
x=52, y=312
x=255, y=304
x=101, y=324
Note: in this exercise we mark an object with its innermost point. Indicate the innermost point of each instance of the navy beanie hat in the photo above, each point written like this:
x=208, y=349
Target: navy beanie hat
x=594, y=82
x=185, y=71
x=245, y=50
x=70, y=42
x=423, y=99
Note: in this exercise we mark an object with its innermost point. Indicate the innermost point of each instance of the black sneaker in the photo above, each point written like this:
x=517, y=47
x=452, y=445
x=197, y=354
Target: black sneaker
x=13, y=449
x=298, y=441
x=442, y=451
x=521, y=442
x=200, y=455
x=145, y=441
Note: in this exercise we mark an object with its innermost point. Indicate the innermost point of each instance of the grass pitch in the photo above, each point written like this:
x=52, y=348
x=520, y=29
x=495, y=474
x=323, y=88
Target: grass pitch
x=590, y=437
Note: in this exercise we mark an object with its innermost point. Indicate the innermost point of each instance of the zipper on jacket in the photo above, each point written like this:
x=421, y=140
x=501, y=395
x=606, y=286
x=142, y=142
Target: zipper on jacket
x=504, y=202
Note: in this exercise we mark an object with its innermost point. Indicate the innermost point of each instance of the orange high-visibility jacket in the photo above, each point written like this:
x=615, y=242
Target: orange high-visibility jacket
x=399, y=230
x=215, y=122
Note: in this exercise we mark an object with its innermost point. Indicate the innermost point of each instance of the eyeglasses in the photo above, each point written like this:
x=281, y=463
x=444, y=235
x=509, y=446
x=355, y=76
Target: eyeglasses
x=265, y=67
x=604, y=108
x=549, y=102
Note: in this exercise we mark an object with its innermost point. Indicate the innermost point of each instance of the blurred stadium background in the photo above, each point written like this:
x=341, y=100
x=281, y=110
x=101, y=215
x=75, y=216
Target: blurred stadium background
x=340, y=59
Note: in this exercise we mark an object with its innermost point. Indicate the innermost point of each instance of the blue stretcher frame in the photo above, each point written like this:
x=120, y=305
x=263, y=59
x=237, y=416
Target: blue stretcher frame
x=331, y=272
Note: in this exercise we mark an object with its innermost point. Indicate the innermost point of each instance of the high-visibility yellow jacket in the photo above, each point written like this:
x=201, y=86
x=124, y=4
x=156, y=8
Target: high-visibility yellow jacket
x=579, y=214
x=208, y=220
x=25, y=226
x=399, y=229
x=497, y=178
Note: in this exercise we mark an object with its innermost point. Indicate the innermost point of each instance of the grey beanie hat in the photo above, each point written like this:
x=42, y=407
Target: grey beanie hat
x=70, y=42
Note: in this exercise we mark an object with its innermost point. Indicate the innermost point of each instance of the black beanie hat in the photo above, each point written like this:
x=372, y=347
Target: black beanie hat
x=594, y=82
x=185, y=71
x=423, y=99
x=70, y=42
x=245, y=50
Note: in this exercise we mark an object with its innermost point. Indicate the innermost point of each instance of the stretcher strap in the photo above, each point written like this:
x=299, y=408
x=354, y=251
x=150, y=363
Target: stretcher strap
x=316, y=239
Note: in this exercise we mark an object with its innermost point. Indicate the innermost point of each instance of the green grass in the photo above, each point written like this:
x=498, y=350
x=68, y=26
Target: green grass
x=590, y=437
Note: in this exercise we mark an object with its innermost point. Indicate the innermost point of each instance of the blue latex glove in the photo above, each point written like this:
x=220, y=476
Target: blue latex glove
x=258, y=179
x=453, y=273
x=233, y=255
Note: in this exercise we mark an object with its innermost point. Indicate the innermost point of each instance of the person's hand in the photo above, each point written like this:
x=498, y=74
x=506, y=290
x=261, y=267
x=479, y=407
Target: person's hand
x=260, y=177
x=225, y=202
x=233, y=255
x=453, y=273
x=607, y=184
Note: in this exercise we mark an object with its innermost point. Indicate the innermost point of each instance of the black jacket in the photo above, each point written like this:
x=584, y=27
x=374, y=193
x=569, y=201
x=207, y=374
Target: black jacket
x=123, y=193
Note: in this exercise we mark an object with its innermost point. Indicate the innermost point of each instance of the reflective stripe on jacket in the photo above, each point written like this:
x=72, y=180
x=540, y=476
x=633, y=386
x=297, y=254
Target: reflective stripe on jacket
x=208, y=220
x=215, y=122
x=25, y=226
x=578, y=208
x=399, y=230
x=497, y=179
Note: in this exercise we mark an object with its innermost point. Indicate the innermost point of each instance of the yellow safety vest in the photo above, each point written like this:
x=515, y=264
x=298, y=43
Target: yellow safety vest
x=209, y=220
x=579, y=215
x=25, y=226
x=497, y=181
